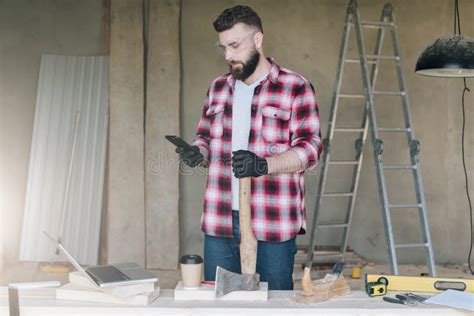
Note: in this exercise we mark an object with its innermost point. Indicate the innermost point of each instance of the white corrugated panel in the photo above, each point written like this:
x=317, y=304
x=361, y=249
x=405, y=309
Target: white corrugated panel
x=67, y=84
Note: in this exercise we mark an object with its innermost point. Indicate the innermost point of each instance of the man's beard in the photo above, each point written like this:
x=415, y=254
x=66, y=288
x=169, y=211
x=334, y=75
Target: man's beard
x=247, y=68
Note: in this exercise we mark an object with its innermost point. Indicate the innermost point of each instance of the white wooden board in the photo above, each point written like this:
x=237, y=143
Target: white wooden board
x=206, y=293
x=73, y=292
x=43, y=302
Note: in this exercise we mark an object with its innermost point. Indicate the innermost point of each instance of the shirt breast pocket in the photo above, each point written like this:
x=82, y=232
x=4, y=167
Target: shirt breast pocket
x=275, y=125
x=215, y=113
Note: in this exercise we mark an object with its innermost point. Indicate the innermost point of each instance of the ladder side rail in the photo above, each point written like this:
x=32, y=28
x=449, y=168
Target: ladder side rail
x=330, y=133
x=416, y=172
x=377, y=147
x=356, y=174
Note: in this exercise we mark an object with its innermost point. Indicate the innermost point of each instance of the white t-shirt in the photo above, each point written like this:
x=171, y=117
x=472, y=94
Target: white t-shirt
x=241, y=117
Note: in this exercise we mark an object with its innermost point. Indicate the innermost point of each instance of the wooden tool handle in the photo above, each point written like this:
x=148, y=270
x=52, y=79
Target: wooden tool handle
x=248, y=243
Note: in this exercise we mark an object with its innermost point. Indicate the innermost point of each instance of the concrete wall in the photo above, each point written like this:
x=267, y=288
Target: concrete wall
x=27, y=29
x=304, y=35
x=126, y=188
x=301, y=35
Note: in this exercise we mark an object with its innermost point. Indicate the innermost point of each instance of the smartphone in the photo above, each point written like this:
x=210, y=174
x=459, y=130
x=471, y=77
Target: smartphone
x=179, y=142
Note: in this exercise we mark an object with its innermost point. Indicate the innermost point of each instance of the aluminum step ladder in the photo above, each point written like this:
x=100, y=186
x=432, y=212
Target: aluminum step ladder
x=369, y=124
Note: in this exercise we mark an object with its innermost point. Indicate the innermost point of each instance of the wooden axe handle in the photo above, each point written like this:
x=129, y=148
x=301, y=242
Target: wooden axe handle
x=248, y=243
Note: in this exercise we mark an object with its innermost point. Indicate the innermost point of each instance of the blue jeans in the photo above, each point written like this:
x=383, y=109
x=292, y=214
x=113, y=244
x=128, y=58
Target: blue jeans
x=275, y=260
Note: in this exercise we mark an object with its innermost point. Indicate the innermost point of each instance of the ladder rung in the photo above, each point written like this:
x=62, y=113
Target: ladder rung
x=356, y=61
x=395, y=167
x=338, y=194
x=401, y=93
x=383, y=57
x=411, y=245
x=406, y=130
x=333, y=225
x=404, y=205
x=349, y=95
x=344, y=162
x=349, y=130
x=370, y=24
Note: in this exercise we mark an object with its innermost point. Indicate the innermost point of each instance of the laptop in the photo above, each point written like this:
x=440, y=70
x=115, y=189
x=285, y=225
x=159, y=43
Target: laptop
x=108, y=275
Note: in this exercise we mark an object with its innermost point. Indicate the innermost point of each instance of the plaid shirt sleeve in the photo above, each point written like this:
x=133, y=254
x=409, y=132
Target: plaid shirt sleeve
x=304, y=127
x=203, y=130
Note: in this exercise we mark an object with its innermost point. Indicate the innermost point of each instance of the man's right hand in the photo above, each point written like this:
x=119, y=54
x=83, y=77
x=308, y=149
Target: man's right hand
x=191, y=157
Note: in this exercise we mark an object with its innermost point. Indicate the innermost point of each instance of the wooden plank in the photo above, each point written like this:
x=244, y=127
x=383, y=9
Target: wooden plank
x=162, y=118
x=103, y=220
x=248, y=242
x=126, y=207
x=118, y=291
x=73, y=292
x=325, y=257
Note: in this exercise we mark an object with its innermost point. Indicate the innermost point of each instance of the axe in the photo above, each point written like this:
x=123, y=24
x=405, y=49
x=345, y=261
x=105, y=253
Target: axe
x=227, y=281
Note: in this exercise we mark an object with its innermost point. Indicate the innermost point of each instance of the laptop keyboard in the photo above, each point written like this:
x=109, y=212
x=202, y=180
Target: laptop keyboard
x=107, y=274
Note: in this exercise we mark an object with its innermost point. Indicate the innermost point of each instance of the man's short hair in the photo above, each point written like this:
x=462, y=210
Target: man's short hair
x=238, y=14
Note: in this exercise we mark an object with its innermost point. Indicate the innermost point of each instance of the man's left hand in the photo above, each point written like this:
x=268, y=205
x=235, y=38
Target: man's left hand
x=246, y=164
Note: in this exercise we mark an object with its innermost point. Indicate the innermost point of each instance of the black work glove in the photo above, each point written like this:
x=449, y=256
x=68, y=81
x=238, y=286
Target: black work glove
x=246, y=164
x=191, y=157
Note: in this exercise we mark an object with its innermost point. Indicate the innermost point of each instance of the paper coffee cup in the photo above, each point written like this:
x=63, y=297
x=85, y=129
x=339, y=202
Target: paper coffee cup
x=191, y=270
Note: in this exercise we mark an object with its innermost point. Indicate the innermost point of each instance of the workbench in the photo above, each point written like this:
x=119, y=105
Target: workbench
x=43, y=302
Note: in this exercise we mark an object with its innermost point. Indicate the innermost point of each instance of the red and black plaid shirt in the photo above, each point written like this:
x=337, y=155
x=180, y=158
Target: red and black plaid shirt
x=284, y=116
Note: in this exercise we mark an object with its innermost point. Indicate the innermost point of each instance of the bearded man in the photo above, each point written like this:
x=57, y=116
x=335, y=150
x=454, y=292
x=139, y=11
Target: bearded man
x=260, y=120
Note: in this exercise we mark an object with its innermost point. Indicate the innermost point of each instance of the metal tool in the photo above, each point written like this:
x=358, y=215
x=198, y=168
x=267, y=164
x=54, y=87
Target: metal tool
x=409, y=299
x=400, y=299
x=369, y=123
x=337, y=268
x=227, y=281
x=418, y=298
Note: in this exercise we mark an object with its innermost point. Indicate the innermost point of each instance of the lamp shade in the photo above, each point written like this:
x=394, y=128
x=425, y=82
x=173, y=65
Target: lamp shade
x=451, y=56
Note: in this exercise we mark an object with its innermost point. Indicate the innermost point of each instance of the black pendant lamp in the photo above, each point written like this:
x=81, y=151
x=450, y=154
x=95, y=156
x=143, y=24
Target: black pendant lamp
x=453, y=56
x=450, y=56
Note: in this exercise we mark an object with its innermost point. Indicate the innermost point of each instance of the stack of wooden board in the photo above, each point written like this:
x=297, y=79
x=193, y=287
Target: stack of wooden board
x=81, y=288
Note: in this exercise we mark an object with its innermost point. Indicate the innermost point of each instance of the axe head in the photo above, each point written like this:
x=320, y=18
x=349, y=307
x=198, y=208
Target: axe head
x=227, y=282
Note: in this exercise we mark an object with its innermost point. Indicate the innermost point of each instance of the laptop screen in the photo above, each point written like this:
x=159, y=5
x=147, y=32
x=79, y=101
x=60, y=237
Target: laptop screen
x=69, y=258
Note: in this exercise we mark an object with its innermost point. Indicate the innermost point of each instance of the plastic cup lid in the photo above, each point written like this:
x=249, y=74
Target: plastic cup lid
x=191, y=259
